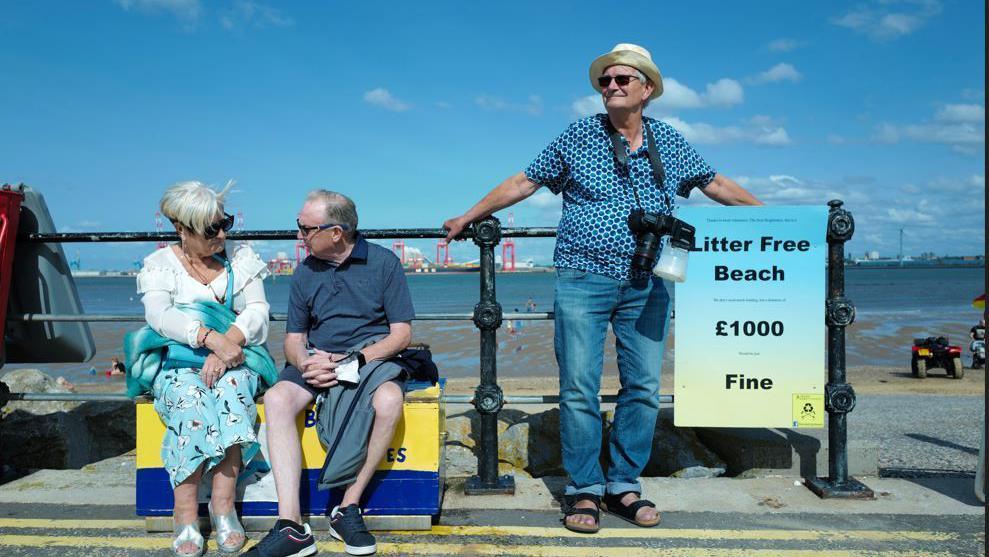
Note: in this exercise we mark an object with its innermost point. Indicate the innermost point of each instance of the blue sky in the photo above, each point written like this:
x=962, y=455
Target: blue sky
x=418, y=109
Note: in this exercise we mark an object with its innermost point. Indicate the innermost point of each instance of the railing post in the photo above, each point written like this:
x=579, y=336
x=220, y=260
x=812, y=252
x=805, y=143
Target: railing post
x=4, y=399
x=839, y=397
x=488, y=397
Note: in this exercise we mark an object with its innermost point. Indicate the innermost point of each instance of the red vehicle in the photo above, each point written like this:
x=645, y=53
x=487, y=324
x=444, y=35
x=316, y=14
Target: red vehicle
x=934, y=352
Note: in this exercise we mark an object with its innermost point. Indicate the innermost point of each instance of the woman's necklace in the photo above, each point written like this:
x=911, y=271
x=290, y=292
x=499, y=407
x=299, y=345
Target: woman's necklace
x=202, y=278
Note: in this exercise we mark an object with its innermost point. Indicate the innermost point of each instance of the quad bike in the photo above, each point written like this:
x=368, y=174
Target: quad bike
x=932, y=352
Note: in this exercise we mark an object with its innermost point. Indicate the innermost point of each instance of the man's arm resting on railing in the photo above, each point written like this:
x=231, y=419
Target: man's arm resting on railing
x=511, y=191
x=726, y=191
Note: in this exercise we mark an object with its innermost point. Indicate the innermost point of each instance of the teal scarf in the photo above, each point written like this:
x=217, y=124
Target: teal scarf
x=145, y=348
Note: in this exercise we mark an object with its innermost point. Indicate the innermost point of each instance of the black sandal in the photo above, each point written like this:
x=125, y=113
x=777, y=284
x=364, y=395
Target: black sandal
x=613, y=504
x=570, y=501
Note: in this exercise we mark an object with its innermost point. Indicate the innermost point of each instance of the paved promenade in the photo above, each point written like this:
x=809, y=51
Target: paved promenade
x=89, y=512
x=928, y=442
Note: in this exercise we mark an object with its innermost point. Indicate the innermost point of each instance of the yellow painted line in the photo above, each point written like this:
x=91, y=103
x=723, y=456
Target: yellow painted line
x=584, y=551
x=695, y=534
x=558, y=532
x=148, y=543
x=72, y=524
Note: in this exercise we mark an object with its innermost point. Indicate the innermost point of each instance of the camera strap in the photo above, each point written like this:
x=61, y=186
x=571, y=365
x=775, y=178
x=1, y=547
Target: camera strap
x=655, y=162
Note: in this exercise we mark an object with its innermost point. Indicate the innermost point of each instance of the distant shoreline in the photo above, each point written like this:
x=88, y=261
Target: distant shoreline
x=541, y=269
x=980, y=265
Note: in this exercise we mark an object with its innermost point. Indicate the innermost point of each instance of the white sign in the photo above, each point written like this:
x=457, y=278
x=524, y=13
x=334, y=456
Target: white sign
x=749, y=328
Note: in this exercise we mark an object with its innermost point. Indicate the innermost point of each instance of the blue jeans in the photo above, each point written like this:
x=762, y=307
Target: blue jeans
x=638, y=311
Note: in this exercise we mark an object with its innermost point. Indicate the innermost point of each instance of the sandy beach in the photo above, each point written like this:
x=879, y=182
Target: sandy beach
x=526, y=363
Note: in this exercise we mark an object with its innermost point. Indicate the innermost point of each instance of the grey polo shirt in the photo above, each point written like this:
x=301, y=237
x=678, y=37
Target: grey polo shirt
x=342, y=306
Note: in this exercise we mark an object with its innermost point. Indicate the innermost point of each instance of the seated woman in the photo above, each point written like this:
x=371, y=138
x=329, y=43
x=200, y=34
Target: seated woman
x=201, y=356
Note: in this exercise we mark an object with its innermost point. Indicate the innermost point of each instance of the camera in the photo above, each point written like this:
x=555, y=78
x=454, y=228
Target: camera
x=649, y=229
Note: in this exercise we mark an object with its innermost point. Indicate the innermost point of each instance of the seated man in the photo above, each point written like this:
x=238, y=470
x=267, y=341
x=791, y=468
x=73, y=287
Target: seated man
x=349, y=300
x=978, y=332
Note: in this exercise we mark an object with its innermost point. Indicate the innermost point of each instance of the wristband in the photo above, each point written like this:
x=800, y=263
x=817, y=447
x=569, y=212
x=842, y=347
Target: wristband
x=208, y=331
x=361, y=361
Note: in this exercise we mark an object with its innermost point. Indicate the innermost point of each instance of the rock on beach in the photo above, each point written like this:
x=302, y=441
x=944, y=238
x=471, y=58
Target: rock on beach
x=59, y=435
x=531, y=442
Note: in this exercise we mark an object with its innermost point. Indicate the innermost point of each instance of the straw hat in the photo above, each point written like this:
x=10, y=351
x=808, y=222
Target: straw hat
x=626, y=54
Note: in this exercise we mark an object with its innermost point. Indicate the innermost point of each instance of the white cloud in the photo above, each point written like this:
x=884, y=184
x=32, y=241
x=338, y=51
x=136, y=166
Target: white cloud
x=784, y=189
x=884, y=20
x=89, y=224
x=544, y=199
x=587, y=106
x=882, y=208
x=247, y=13
x=972, y=113
x=961, y=126
x=901, y=216
x=947, y=134
x=533, y=106
x=779, y=72
x=756, y=130
x=444, y=105
x=784, y=45
x=380, y=97
x=724, y=92
x=676, y=96
x=233, y=14
x=187, y=10
x=836, y=139
x=973, y=94
x=549, y=206
x=958, y=185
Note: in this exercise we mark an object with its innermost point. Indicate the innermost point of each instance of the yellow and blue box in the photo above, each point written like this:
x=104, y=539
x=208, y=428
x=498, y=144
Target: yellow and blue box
x=409, y=481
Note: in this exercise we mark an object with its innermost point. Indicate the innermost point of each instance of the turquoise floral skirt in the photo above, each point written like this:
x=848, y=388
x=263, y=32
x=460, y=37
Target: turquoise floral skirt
x=202, y=422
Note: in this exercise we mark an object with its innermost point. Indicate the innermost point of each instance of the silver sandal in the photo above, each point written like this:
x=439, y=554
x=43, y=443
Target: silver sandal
x=188, y=533
x=224, y=525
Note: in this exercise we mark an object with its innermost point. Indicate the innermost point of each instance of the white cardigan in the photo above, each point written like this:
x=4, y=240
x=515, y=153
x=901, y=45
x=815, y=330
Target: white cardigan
x=164, y=282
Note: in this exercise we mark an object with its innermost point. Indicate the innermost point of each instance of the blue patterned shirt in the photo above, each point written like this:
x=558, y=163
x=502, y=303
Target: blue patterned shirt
x=593, y=235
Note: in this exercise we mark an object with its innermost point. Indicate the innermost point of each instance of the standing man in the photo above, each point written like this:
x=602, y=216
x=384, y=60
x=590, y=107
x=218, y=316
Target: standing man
x=603, y=167
x=349, y=300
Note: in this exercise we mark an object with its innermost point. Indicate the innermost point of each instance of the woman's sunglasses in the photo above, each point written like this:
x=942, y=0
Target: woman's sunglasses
x=621, y=80
x=224, y=224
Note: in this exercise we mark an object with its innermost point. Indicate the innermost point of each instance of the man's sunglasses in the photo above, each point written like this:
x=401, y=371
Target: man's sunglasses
x=621, y=80
x=224, y=224
x=307, y=230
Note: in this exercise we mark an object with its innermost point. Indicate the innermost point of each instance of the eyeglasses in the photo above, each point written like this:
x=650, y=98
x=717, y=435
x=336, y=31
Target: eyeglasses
x=621, y=80
x=224, y=224
x=307, y=230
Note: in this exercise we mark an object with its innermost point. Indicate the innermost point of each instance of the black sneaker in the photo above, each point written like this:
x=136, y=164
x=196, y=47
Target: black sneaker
x=286, y=539
x=347, y=525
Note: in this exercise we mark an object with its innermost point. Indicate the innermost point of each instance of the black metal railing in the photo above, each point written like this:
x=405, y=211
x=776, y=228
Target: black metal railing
x=488, y=398
x=839, y=397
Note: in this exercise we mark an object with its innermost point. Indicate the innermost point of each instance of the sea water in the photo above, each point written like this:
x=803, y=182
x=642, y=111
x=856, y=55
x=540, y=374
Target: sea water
x=892, y=307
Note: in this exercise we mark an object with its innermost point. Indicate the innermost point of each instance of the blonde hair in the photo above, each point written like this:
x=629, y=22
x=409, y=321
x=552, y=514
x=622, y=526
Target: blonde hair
x=193, y=204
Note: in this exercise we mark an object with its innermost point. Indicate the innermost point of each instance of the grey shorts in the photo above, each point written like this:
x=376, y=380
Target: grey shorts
x=292, y=374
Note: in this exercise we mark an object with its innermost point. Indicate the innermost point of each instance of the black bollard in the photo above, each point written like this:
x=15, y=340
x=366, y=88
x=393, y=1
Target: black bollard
x=488, y=398
x=839, y=397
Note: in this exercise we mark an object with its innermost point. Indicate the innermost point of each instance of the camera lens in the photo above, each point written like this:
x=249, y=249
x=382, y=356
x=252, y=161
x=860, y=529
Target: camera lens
x=646, y=246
